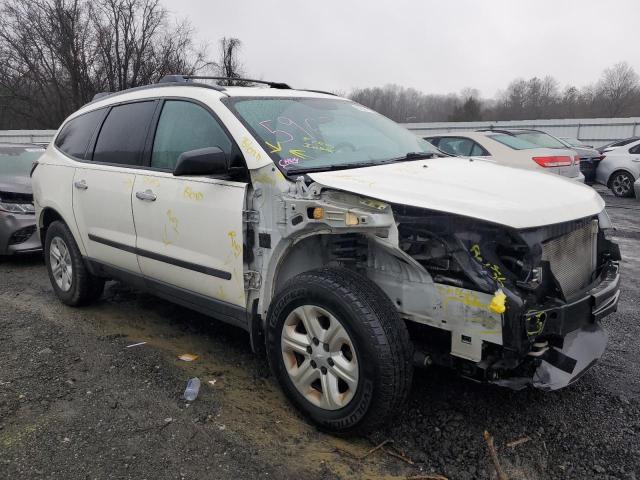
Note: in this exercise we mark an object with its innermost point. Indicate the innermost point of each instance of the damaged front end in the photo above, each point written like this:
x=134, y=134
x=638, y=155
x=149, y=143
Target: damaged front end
x=511, y=306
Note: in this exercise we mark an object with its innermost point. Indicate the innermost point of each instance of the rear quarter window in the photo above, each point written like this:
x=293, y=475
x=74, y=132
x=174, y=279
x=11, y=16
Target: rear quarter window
x=74, y=137
x=123, y=134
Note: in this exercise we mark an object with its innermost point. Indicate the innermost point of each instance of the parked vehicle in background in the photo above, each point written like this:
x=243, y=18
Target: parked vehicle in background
x=589, y=157
x=17, y=214
x=574, y=142
x=510, y=151
x=618, y=143
x=620, y=168
x=636, y=187
x=346, y=246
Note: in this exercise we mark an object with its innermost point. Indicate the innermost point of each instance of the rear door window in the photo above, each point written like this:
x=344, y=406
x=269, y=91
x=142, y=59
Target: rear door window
x=185, y=126
x=123, y=134
x=74, y=137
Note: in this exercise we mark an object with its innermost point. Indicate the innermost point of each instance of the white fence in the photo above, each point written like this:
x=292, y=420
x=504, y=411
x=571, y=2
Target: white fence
x=592, y=131
x=26, y=136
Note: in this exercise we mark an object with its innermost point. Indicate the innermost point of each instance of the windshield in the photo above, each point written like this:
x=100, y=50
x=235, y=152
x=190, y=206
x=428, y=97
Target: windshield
x=17, y=161
x=316, y=133
x=541, y=139
x=517, y=143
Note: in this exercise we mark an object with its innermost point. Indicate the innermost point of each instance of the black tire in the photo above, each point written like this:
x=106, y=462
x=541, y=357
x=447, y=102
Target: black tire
x=621, y=184
x=378, y=333
x=85, y=287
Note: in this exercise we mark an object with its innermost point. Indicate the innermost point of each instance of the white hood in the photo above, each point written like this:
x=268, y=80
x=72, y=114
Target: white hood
x=472, y=188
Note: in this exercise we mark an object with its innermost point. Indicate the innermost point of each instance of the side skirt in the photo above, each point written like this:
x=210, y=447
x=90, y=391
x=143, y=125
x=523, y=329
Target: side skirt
x=217, y=309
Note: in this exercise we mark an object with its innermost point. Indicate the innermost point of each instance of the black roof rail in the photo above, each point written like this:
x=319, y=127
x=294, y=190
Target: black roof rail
x=186, y=78
x=321, y=91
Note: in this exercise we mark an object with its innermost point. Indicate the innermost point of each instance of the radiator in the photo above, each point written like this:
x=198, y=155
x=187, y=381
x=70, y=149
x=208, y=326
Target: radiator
x=573, y=257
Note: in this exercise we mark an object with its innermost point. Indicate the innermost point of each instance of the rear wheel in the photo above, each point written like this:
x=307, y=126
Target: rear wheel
x=621, y=184
x=72, y=283
x=339, y=349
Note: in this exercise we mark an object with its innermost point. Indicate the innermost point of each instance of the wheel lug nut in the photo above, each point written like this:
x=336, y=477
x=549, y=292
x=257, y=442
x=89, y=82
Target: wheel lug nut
x=314, y=364
x=316, y=341
x=323, y=370
x=326, y=347
x=309, y=349
x=330, y=362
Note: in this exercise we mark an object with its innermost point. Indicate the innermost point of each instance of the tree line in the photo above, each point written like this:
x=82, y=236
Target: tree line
x=615, y=94
x=55, y=55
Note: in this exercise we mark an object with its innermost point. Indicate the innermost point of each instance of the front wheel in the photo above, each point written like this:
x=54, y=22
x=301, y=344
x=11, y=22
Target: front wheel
x=339, y=349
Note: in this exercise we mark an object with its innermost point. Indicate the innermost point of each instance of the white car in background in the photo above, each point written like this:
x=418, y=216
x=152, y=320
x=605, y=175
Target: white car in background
x=620, y=168
x=509, y=150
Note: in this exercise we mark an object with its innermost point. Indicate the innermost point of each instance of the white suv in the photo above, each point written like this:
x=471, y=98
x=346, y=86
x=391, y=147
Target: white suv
x=341, y=242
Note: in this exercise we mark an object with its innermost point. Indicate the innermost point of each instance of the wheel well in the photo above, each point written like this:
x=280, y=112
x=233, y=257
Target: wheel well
x=319, y=251
x=48, y=216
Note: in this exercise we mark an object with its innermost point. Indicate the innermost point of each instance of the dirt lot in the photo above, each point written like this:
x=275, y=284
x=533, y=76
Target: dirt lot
x=76, y=403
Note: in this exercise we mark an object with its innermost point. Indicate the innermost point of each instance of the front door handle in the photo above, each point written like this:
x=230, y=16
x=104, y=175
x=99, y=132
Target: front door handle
x=81, y=185
x=147, y=195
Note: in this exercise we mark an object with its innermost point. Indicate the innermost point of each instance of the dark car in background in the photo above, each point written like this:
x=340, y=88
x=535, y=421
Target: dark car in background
x=17, y=214
x=589, y=157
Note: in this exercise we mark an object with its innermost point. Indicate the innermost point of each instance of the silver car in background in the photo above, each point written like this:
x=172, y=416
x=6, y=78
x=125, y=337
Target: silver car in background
x=620, y=168
x=17, y=215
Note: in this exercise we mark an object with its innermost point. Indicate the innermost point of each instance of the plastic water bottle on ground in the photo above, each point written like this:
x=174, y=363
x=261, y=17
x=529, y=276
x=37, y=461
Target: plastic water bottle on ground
x=193, y=387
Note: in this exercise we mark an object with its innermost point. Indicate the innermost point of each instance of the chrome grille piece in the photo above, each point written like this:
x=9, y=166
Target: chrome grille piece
x=572, y=257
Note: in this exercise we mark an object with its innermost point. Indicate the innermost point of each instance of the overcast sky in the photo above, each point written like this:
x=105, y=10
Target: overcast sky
x=434, y=46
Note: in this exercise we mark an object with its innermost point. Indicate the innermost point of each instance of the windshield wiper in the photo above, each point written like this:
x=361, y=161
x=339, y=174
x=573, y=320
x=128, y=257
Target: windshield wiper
x=345, y=166
x=414, y=156
x=341, y=166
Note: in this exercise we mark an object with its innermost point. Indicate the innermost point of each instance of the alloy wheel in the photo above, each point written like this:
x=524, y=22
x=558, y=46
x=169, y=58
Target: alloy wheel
x=621, y=184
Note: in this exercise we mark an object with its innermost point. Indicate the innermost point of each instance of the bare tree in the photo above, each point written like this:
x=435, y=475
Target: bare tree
x=56, y=54
x=229, y=63
x=618, y=89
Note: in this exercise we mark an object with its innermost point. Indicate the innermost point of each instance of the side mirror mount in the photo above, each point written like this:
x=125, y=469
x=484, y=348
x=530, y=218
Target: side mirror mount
x=203, y=161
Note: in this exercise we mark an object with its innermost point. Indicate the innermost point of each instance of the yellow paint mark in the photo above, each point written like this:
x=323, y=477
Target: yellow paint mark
x=236, y=248
x=264, y=178
x=193, y=194
x=151, y=181
x=173, y=220
x=248, y=145
x=274, y=149
x=279, y=175
x=165, y=237
x=466, y=297
x=299, y=153
x=128, y=183
x=498, y=302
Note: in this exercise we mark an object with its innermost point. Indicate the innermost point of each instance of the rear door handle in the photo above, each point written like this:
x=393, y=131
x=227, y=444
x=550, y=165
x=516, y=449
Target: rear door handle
x=81, y=185
x=147, y=195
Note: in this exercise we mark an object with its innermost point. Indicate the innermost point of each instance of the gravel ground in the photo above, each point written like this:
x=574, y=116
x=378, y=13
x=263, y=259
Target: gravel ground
x=76, y=403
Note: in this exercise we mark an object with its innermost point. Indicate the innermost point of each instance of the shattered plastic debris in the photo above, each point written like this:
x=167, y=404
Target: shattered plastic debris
x=136, y=344
x=585, y=346
x=188, y=357
x=193, y=387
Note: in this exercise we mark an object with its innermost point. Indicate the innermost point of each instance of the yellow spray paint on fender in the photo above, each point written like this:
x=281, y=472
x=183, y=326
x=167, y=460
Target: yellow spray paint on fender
x=498, y=302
